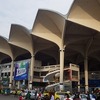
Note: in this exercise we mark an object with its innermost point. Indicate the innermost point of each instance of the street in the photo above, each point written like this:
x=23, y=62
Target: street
x=8, y=97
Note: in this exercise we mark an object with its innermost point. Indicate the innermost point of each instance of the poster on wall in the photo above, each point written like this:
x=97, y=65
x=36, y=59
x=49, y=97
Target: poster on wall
x=21, y=70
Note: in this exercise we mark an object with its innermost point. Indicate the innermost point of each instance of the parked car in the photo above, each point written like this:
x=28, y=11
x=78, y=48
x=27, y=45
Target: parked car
x=61, y=95
x=33, y=94
x=23, y=93
x=83, y=97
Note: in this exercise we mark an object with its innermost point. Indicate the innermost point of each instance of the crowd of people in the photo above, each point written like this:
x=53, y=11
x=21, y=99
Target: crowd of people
x=41, y=94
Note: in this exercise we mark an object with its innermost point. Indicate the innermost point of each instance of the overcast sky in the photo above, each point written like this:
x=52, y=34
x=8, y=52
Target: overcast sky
x=23, y=12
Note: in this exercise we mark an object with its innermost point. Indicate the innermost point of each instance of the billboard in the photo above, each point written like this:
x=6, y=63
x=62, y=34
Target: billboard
x=21, y=70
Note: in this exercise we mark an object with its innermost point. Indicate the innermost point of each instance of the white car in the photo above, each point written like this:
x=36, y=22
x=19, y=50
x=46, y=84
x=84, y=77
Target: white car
x=24, y=93
x=32, y=92
x=83, y=97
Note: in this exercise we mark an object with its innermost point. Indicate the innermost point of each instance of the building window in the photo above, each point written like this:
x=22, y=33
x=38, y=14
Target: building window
x=5, y=74
x=75, y=75
x=8, y=73
x=43, y=73
x=2, y=74
x=36, y=74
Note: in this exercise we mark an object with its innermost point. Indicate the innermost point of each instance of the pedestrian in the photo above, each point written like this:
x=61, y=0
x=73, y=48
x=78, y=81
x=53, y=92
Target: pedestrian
x=28, y=95
x=35, y=94
x=67, y=97
x=52, y=97
x=88, y=96
x=39, y=96
x=15, y=93
x=98, y=97
x=20, y=97
x=76, y=97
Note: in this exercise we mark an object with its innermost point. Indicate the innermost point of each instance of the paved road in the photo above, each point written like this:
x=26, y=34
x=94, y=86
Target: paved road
x=6, y=97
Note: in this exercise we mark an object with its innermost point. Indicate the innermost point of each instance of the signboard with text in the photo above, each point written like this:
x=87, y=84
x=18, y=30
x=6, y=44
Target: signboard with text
x=21, y=70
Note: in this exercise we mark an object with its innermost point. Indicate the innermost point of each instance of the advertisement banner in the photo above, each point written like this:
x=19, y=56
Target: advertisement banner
x=21, y=70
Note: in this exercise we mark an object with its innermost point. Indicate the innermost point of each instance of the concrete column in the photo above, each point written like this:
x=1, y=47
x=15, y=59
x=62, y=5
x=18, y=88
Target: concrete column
x=0, y=72
x=14, y=83
x=31, y=72
x=18, y=85
x=11, y=74
x=61, y=68
x=78, y=81
x=23, y=82
x=86, y=74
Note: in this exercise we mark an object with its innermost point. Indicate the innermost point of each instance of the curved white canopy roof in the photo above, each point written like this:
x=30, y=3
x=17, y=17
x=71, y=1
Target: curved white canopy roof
x=86, y=13
x=5, y=47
